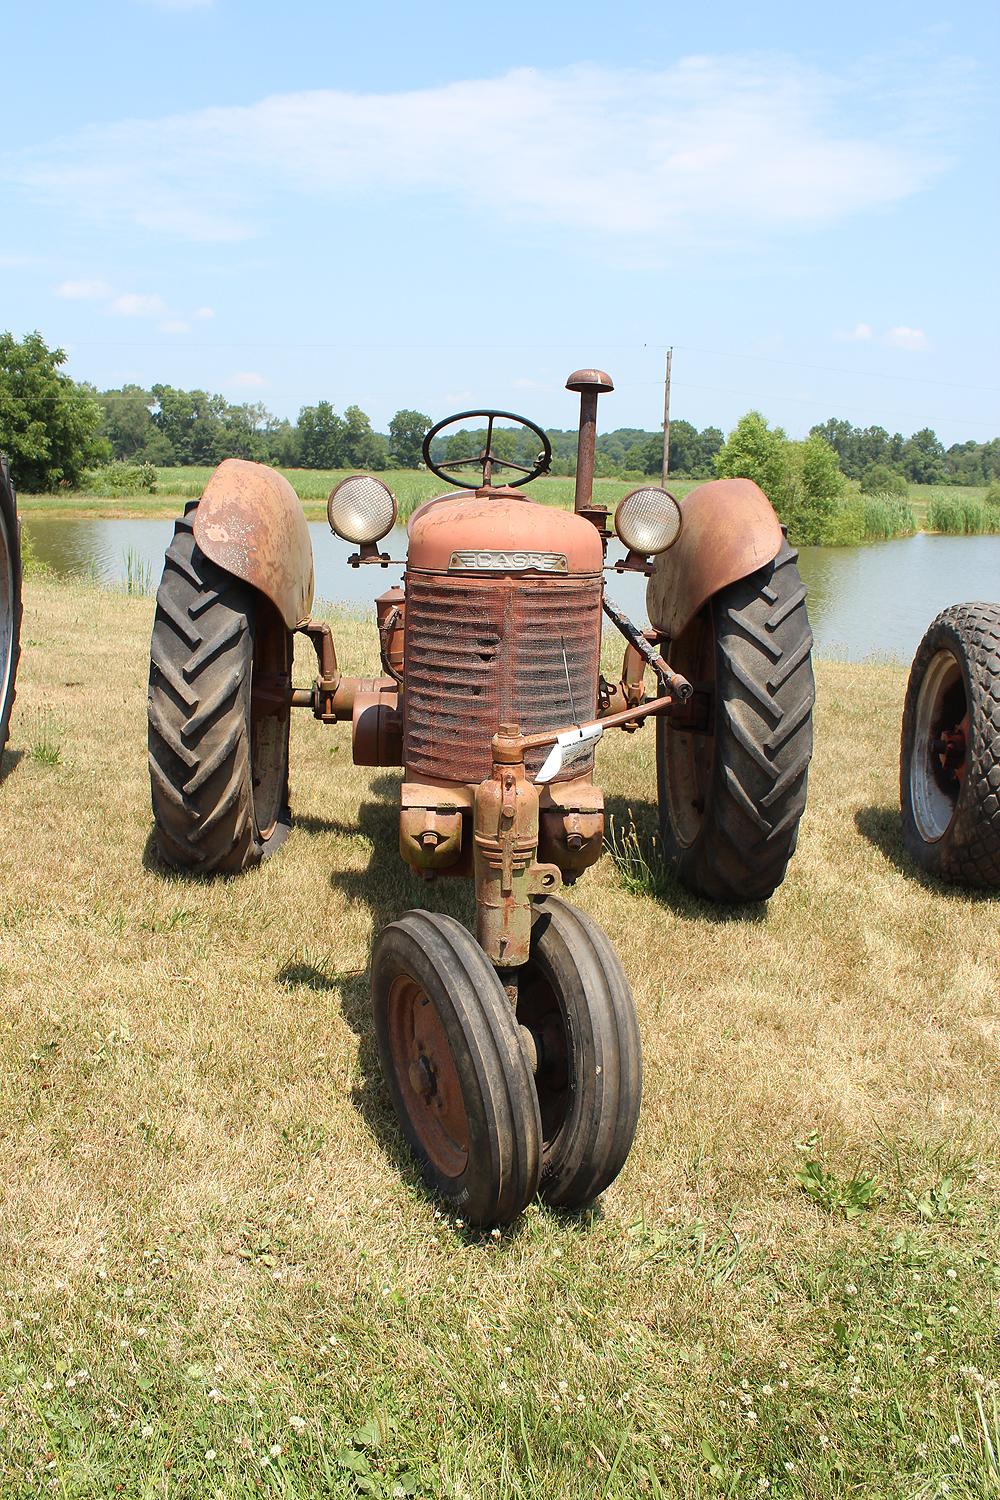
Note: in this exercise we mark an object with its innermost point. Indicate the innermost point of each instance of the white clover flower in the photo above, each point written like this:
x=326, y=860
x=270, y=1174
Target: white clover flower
x=209, y=1455
x=951, y=1273
x=275, y=1450
x=850, y=1290
x=563, y=1385
x=215, y=1395
x=954, y=1441
x=297, y=1423
x=767, y=1390
x=147, y=1431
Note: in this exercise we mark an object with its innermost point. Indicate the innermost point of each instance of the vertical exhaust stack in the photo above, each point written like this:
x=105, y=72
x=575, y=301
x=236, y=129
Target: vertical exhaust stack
x=590, y=384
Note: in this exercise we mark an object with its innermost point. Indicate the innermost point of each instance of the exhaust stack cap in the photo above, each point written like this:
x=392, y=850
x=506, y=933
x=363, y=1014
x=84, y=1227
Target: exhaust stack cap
x=589, y=380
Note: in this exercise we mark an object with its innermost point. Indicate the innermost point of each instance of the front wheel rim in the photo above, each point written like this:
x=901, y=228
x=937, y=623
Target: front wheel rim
x=429, y=1085
x=937, y=764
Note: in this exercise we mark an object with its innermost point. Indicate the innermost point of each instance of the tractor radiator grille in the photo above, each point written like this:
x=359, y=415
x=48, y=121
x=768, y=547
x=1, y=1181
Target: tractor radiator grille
x=479, y=652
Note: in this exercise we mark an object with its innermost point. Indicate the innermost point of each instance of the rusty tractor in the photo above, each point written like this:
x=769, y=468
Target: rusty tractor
x=512, y=1057
x=949, y=761
x=10, y=598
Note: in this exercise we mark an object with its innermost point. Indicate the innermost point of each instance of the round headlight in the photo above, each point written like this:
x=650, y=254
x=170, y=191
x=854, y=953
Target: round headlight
x=361, y=509
x=648, y=521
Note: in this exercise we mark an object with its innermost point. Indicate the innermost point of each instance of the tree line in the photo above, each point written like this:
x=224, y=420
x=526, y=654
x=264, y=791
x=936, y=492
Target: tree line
x=55, y=429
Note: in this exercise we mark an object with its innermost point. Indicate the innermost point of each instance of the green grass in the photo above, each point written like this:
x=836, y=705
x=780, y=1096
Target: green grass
x=219, y=1274
x=411, y=487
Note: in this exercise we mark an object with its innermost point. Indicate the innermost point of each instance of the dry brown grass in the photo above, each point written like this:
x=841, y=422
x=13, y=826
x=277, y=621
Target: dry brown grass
x=202, y=1187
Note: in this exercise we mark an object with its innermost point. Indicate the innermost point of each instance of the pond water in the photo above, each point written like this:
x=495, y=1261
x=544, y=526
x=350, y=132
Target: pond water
x=863, y=601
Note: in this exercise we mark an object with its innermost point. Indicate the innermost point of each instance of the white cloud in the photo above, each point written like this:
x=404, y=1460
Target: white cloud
x=205, y=312
x=175, y=325
x=180, y=4
x=248, y=380
x=713, y=148
x=139, y=305
x=913, y=339
x=859, y=333
x=84, y=291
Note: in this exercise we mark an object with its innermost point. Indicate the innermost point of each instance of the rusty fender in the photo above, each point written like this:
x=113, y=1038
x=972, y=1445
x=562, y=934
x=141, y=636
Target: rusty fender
x=728, y=530
x=250, y=522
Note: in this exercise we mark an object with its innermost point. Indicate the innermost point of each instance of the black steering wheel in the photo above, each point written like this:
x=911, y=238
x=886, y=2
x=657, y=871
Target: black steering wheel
x=487, y=460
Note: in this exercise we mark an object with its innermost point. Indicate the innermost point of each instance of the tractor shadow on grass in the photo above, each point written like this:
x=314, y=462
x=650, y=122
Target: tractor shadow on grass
x=632, y=844
x=9, y=761
x=883, y=827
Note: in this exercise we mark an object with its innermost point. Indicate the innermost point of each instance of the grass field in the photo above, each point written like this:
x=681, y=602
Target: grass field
x=219, y=1273
x=312, y=486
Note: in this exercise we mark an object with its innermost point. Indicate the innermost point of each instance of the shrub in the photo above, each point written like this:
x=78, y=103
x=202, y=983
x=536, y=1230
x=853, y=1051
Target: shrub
x=120, y=478
x=881, y=479
x=992, y=496
x=802, y=480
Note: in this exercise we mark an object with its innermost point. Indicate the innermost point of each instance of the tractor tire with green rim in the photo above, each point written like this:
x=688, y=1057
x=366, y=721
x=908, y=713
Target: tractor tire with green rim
x=731, y=797
x=575, y=1004
x=219, y=710
x=10, y=599
x=949, y=762
x=456, y=1067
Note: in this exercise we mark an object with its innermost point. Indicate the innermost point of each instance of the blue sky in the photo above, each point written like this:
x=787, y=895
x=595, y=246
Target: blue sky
x=445, y=206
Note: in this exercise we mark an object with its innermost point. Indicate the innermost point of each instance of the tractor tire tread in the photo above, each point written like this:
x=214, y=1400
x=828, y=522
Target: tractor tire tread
x=198, y=709
x=763, y=738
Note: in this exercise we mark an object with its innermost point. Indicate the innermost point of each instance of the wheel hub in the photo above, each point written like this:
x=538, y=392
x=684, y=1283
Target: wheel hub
x=937, y=768
x=423, y=1078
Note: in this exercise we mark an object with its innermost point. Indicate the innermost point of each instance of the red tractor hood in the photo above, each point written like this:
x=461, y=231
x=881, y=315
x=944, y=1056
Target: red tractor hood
x=501, y=532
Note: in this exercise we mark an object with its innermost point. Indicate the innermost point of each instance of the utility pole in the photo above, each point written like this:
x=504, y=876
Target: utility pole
x=666, y=417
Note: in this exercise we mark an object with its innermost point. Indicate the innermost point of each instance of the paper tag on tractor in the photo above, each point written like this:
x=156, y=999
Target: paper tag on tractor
x=572, y=748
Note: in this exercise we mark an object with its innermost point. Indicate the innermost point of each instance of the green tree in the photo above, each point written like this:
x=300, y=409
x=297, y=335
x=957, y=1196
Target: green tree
x=321, y=437
x=802, y=480
x=922, y=458
x=756, y=451
x=192, y=422
x=406, y=436
x=49, y=425
x=127, y=422
x=881, y=479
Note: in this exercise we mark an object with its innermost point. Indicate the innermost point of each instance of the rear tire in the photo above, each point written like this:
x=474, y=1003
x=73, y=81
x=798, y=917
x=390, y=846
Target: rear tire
x=731, y=799
x=575, y=1001
x=10, y=599
x=456, y=1068
x=220, y=663
x=949, y=762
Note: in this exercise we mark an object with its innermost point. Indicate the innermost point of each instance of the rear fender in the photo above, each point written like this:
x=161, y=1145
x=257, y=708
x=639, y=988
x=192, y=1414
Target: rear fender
x=250, y=522
x=729, y=529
